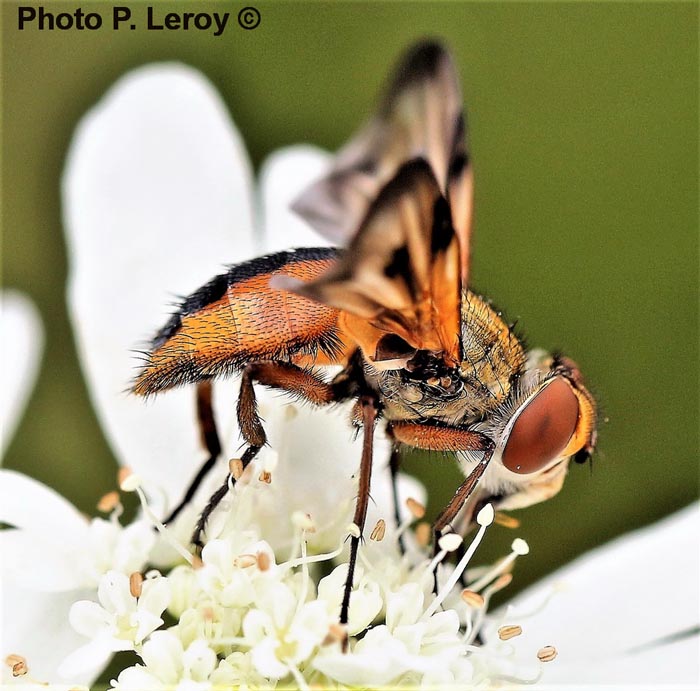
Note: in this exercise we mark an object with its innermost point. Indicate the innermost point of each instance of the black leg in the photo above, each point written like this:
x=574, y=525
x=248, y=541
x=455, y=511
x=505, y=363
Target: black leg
x=369, y=415
x=394, y=464
x=210, y=440
x=460, y=497
x=216, y=498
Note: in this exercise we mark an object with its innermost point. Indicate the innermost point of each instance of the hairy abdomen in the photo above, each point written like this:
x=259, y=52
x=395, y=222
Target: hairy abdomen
x=237, y=318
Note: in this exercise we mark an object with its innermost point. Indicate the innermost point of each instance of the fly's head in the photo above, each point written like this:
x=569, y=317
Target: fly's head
x=548, y=418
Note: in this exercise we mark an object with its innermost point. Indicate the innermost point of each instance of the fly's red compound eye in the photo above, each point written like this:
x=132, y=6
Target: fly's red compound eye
x=543, y=428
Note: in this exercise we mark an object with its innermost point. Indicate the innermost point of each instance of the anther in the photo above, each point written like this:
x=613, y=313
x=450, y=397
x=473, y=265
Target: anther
x=108, y=502
x=546, y=654
x=469, y=597
x=128, y=480
x=263, y=559
x=378, y=531
x=505, y=633
x=423, y=534
x=503, y=519
x=266, y=477
x=244, y=561
x=501, y=582
x=450, y=542
x=17, y=664
x=520, y=547
x=135, y=584
x=415, y=507
x=336, y=634
x=235, y=467
x=303, y=521
x=486, y=515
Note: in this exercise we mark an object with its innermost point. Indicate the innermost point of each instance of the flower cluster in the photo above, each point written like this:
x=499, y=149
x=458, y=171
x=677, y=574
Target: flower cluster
x=249, y=616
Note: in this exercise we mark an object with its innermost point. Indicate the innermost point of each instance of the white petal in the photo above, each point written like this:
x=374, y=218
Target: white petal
x=89, y=659
x=162, y=653
x=199, y=660
x=21, y=342
x=137, y=679
x=35, y=625
x=265, y=659
x=114, y=593
x=26, y=503
x=155, y=595
x=37, y=562
x=284, y=174
x=156, y=198
x=633, y=591
x=89, y=619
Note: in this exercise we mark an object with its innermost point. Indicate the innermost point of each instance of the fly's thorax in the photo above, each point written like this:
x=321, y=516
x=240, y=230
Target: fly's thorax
x=426, y=388
x=492, y=355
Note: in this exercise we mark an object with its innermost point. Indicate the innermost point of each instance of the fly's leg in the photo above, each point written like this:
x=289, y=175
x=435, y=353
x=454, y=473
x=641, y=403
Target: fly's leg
x=369, y=410
x=278, y=375
x=394, y=465
x=432, y=437
x=210, y=441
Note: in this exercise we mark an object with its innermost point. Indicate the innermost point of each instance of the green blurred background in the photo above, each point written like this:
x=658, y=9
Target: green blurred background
x=585, y=141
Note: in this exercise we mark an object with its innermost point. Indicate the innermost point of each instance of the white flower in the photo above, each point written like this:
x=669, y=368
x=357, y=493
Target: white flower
x=121, y=621
x=168, y=665
x=22, y=342
x=283, y=631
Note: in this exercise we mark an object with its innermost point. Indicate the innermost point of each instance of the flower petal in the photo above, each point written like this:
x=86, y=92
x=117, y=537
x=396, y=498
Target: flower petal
x=627, y=595
x=284, y=174
x=28, y=504
x=156, y=198
x=35, y=625
x=22, y=341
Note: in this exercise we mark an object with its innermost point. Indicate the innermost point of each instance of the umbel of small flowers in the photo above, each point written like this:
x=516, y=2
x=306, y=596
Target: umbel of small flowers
x=247, y=616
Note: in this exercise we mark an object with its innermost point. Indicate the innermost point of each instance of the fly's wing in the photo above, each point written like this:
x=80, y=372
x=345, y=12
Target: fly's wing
x=421, y=116
x=398, y=282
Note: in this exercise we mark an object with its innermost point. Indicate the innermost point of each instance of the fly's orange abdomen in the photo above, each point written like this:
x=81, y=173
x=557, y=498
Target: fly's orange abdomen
x=237, y=318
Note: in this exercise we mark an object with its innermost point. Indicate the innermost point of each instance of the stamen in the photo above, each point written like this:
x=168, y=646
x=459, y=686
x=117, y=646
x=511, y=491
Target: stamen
x=128, y=480
x=263, y=560
x=415, y=507
x=506, y=521
x=337, y=633
x=505, y=633
x=484, y=519
x=423, y=534
x=303, y=522
x=519, y=547
x=450, y=542
x=298, y=678
x=185, y=554
x=293, y=563
x=17, y=664
x=108, y=502
x=378, y=531
x=135, y=584
x=304, y=575
x=245, y=561
x=474, y=600
x=235, y=467
x=547, y=654
x=266, y=477
x=20, y=669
